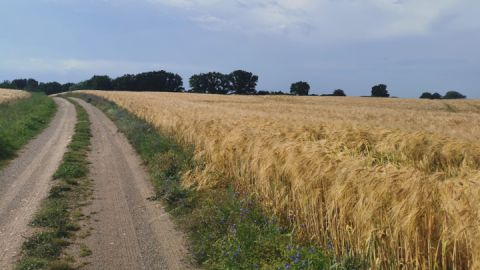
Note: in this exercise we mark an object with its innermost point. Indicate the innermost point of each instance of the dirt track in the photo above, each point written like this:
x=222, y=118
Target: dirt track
x=26, y=181
x=129, y=232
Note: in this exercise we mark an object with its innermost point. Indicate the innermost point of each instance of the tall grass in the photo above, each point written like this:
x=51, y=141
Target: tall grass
x=20, y=120
x=389, y=180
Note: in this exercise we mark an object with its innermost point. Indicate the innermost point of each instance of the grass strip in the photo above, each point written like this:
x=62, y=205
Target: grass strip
x=55, y=221
x=226, y=230
x=20, y=121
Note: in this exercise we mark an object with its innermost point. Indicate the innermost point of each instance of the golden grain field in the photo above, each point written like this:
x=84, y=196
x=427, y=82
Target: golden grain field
x=394, y=180
x=9, y=95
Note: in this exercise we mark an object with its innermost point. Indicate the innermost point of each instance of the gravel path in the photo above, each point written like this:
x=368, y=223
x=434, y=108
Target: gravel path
x=129, y=231
x=25, y=181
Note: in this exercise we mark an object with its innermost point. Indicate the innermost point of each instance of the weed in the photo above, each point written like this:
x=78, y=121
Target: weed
x=85, y=251
x=56, y=216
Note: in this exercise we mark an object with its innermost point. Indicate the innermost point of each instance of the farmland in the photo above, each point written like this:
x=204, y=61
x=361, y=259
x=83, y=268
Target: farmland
x=9, y=95
x=394, y=181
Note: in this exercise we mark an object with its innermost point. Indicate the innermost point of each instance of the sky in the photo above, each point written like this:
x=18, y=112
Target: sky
x=411, y=45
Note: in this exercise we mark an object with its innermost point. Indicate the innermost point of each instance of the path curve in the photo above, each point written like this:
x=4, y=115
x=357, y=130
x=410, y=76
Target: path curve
x=26, y=181
x=129, y=231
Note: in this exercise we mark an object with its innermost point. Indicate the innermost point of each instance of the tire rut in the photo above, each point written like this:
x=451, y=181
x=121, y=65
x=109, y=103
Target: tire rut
x=129, y=232
x=25, y=181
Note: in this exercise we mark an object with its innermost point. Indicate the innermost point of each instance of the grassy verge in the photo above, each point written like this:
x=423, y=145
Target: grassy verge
x=57, y=219
x=227, y=230
x=20, y=121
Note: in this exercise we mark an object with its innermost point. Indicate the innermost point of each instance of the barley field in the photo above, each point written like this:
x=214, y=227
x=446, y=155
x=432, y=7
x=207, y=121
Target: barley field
x=9, y=95
x=395, y=181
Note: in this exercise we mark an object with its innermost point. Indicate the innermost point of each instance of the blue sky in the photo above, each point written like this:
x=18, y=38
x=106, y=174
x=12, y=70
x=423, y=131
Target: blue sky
x=410, y=45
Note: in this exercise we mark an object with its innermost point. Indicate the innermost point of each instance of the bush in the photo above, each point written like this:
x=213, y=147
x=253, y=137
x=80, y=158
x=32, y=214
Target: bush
x=339, y=93
x=300, y=88
x=380, y=91
x=454, y=95
x=427, y=95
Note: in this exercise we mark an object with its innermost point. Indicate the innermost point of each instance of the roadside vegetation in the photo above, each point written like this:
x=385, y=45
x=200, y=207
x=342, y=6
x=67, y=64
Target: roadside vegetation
x=57, y=220
x=227, y=229
x=21, y=120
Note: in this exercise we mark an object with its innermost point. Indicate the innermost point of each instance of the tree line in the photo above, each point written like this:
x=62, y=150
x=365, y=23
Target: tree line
x=239, y=82
x=448, y=95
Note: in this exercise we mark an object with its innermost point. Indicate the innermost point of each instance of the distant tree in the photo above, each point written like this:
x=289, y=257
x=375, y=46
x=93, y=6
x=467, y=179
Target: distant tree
x=212, y=83
x=426, y=95
x=19, y=83
x=243, y=82
x=67, y=87
x=7, y=85
x=263, y=93
x=50, y=88
x=32, y=85
x=454, y=95
x=161, y=81
x=79, y=86
x=380, y=91
x=436, y=96
x=125, y=82
x=339, y=93
x=272, y=93
x=300, y=88
x=100, y=83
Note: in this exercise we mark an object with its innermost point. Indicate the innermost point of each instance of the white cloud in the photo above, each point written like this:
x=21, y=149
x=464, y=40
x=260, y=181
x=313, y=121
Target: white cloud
x=88, y=66
x=341, y=19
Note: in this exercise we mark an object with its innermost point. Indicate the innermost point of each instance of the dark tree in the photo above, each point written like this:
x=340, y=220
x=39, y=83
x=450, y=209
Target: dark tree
x=32, y=85
x=79, y=86
x=19, y=83
x=100, y=83
x=6, y=85
x=160, y=81
x=380, y=91
x=436, y=96
x=212, y=83
x=426, y=95
x=125, y=82
x=272, y=93
x=454, y=95
x=67, y=87
x=243, y=82
x=50, y=88
x=339, y=93
x=300, y=88
x=263, y=93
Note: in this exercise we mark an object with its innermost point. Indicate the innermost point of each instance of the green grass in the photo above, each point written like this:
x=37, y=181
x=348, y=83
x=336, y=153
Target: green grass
x=20, y=121
x=226, y=230
x=55, y=219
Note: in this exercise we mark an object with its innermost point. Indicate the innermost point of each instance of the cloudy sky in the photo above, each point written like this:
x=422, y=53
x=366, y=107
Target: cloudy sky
x=410, y=45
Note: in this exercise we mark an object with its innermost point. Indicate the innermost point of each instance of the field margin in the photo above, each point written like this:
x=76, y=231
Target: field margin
x=20, y=121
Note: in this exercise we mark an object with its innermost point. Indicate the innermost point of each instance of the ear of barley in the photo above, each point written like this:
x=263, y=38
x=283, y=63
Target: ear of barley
x=396, y=181
x=7, y=95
